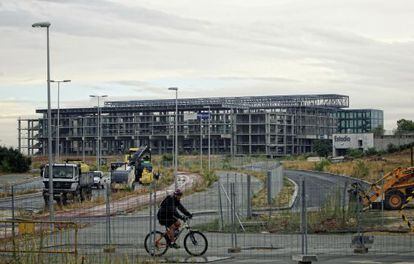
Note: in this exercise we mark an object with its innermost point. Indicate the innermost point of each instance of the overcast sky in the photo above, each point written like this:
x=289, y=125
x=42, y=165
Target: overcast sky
x=136, y=49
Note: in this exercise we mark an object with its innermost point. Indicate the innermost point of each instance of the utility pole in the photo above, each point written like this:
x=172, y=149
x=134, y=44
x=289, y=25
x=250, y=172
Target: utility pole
x=58, y=121
x=176, y=136
x=99, y=133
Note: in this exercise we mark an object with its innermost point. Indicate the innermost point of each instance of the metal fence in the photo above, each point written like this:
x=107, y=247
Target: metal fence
x=259, y=209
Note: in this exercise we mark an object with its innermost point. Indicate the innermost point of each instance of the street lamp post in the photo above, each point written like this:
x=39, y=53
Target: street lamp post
x=209, y=152
x=98, y=151
x=176, y=135
x=49, y=120
x=58, y=116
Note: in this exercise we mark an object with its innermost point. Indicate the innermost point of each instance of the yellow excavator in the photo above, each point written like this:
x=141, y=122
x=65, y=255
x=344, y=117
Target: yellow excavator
x=394, y=189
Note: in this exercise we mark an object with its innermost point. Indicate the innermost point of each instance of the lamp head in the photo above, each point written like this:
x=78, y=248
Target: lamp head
x=41, y=24
x=173, y=88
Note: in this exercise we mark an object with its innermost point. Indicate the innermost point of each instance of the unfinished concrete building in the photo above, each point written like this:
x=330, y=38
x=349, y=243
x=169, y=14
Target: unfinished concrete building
x=253, y=125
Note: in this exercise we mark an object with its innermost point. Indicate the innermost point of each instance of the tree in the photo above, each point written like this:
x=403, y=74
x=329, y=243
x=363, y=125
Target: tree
x=323, y=147
x=405, y=126
x=11, y=160
x=378, y=131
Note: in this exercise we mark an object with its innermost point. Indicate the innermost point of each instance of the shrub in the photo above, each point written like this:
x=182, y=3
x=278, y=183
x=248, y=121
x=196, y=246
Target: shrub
x=371, y=152
x=391, y=148
x=360, y=170
x=355, y=153
x=167, y=157
x=320, y=166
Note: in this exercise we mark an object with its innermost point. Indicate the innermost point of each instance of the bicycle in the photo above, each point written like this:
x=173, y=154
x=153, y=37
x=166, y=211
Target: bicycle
x=192, y=241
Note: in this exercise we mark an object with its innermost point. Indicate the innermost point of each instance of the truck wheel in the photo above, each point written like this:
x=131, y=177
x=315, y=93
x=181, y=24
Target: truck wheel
x=394, y=200
x=82, y=195
x=46, y=199
x=89, y=195
x=64, y=200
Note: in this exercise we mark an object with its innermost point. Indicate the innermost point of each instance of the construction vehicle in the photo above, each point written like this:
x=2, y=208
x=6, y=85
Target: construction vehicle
x=392, y=190
x=71, y=181
x=137, y=169
x=122, y=177
x=129, y=154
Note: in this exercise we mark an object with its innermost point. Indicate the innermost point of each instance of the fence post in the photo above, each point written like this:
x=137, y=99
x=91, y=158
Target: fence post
x=232, y=215
x=155, y=215
x=13, y=224
x=304, y=229
x=304, y=257
x=249, y=196
x=221, y=221
x=344, y=202
x=228, y=202
x=108, y=248
x=269, y=187
x=150, y=217
x=382, y=198
x=234, y=248
x=269, y=191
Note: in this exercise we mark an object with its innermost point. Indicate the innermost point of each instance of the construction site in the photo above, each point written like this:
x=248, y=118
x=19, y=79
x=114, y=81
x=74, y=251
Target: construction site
x=252, y=125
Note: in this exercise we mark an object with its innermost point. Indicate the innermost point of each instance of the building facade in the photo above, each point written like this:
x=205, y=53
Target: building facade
x=359, y=120
x=254, y=125
x=341, y=143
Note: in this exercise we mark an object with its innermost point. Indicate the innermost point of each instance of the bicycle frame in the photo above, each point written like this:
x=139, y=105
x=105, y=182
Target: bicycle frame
x=184, y=226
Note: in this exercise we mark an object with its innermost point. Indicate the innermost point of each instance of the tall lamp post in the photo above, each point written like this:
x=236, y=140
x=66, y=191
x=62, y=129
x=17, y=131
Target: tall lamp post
x=58, y=116
x=209, y=152
x=49, y=120
x=176, y=135
x=98, y=151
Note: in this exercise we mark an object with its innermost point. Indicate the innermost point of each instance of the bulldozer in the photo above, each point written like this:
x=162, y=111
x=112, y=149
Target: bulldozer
x=393, y=190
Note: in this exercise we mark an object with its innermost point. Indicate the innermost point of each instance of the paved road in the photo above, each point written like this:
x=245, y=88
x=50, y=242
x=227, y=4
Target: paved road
x=319, y=186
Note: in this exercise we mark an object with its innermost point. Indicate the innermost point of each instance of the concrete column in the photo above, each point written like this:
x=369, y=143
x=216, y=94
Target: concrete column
x=19, y=134
x=250, y=132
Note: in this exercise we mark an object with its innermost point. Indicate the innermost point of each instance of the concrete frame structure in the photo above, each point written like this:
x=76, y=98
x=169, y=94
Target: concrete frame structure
x=252, y=125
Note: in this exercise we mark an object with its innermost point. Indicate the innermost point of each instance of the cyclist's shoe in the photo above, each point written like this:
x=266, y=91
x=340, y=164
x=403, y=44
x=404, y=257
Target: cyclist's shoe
x=174, y=245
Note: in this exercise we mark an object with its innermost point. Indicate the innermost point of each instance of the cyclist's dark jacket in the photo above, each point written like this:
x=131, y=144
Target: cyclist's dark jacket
x=168, y=209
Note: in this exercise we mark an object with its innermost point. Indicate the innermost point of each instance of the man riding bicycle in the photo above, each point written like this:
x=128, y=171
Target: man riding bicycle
x=168, y=215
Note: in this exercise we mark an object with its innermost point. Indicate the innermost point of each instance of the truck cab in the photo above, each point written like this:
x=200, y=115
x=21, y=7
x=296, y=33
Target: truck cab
x=68, y=182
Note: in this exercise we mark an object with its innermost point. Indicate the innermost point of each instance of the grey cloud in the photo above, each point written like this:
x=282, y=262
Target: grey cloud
x=267, y=79
x=131, y=83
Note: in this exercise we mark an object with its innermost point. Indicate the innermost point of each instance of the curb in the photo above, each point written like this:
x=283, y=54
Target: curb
x=295, y=193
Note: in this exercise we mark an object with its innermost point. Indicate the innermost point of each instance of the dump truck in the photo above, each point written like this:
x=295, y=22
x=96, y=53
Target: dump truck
x=392, y=190
x=71, y=181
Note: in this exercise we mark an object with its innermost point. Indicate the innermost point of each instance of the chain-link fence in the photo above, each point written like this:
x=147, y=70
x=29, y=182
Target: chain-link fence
x=259, y=210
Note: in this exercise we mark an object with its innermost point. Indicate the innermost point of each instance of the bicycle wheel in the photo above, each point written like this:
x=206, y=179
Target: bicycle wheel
x=160, y=247
x=195, y=243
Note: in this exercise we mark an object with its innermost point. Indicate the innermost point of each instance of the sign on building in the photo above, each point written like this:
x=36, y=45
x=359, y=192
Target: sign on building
x=342, y=142
x=190, y=116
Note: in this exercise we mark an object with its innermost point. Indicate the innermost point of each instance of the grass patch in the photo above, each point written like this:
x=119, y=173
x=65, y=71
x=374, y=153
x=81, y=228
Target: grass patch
x=281, y=200
x=9, y=194
x=366, y=168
